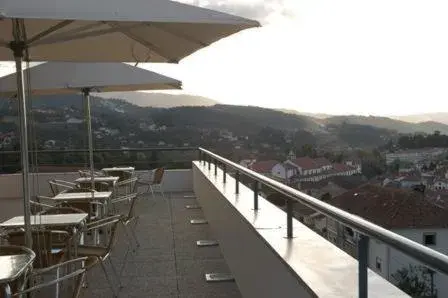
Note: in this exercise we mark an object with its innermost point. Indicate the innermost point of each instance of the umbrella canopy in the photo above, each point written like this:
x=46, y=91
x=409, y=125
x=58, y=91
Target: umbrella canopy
x=112, y=30
x=66, y=77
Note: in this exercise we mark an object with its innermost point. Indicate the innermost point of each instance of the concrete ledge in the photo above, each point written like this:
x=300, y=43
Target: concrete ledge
x=265, y=263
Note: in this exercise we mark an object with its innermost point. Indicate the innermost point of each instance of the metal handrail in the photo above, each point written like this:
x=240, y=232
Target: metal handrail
x=433, y=259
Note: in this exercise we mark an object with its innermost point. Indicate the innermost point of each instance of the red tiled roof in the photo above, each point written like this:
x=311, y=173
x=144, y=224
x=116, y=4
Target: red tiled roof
x=392, y=208
x=322, y=161
x=305, y=163
x=263, y=166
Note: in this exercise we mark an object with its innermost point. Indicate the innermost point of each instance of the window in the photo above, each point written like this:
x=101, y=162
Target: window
x=378, y=264
x=429, y=238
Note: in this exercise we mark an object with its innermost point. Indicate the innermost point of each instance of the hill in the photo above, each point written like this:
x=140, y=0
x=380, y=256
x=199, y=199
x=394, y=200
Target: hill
x=159, y=100
x=227, y=128
x=427, y=117
x=388, y=123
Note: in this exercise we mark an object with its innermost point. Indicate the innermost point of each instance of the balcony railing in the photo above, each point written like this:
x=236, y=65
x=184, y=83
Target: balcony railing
x=366, y=229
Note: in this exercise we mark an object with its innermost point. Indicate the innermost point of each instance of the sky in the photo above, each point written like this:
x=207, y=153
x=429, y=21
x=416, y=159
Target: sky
x=383, y=57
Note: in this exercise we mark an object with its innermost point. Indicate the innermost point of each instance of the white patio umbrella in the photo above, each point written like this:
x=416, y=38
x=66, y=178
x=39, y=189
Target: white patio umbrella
x=103, y=31
x=84, y=78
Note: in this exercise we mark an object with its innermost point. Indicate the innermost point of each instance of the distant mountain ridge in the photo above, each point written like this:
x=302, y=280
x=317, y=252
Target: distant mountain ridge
x=390, y=124
x=426, y=117
x=422, y=123
x=159, y=100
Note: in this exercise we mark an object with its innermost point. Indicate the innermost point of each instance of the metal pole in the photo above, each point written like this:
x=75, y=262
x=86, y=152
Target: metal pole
x=289, y=205
x=256, y=195
x=224, y=173
x=209, y=162
x=216, y=167
x=86, y=96
x=21, y=97
x=363, y=261
x=237, y=182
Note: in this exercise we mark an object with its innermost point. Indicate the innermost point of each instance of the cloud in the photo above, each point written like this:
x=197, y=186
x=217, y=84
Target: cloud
x=261, y=10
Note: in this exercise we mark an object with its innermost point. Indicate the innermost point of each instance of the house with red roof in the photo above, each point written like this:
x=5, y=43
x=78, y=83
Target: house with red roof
x=263, y=167
x=405, y=212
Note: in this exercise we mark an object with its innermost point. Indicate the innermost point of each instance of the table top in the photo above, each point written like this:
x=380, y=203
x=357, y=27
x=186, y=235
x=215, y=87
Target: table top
x=71, y=219
x=77, y=196
x=98, y=179
x=118, y=169
x=12, y=266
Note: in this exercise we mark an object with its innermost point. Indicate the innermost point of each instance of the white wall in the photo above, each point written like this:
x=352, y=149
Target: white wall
x=394, y=260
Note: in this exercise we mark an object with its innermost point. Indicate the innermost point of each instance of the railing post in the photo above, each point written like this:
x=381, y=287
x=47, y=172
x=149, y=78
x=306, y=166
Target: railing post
x=289, y=205
x=256, y=195
x=216, y=167
x=237, y=182
x=363, y=262
x=209, y=162
x=199, y=155
x=224, y=173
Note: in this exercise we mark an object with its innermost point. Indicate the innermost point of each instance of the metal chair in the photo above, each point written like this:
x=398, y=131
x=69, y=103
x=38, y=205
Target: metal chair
x=127, y=199
x=103, y=252
x=17, y=284
x=46, y=245
x=83, y=264
x=57, y=186
x=154, y=182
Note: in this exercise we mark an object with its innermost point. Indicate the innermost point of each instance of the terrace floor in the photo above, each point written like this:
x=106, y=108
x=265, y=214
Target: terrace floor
x=168, y=263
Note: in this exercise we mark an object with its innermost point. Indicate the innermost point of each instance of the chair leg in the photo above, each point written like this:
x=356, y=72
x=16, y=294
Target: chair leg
x=152, y=191
x=115, y=273
x=161, y=190
x=134, y=235
x=128, y=236
x=111, y=285
x=78, y=285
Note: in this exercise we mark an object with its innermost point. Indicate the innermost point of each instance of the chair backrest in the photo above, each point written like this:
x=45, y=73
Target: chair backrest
x=108, y=222
x=75, y=270
x=58, y=186
x=61, y=210
x=6, y=250
x=158, y=176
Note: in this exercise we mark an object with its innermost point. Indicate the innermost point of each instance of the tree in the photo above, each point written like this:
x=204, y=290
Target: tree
x=416, y=281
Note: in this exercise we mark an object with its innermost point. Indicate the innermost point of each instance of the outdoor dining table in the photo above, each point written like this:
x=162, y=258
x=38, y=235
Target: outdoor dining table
x=13, y=266
x=71, y=221
x=97, y=196
x=48, y=220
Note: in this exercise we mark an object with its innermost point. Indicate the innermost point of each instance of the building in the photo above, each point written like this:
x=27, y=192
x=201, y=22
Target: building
x=415, y=156
x=264, y=167
x=284, y=171
x=403, y=212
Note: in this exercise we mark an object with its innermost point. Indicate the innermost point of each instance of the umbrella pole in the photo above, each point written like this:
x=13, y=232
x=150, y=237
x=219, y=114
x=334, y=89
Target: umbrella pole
x=18, y=50
x=86, y=97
